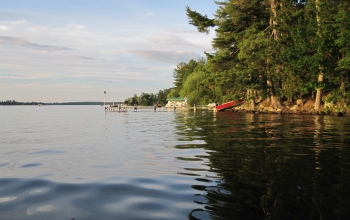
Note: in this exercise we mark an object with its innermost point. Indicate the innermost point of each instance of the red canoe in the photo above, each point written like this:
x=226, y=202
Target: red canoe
x=228, y=105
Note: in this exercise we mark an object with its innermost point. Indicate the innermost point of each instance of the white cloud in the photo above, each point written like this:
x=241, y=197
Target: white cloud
x=3, y=28
x=21, y=42
x=95, y=49
x=170, y=40
x=173, y=57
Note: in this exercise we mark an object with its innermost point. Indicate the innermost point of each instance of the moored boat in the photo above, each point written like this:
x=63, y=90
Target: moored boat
x=228, y=105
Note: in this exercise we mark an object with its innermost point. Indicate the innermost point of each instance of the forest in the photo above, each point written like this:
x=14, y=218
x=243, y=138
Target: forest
x=274, y=50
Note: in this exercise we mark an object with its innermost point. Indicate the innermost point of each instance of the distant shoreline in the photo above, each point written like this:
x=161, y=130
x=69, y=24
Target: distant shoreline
x=10, y=103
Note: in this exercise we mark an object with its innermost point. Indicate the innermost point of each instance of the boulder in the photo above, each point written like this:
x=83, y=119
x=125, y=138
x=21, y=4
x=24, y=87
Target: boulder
x=269, y=109
x=299, y=102
x=294, y=108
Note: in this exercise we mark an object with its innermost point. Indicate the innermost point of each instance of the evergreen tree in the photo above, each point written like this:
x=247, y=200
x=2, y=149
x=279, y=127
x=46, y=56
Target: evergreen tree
x=281, y=49
x=181, y=72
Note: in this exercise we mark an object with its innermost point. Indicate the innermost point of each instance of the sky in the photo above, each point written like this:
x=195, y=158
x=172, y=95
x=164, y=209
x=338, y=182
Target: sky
x=74, y=50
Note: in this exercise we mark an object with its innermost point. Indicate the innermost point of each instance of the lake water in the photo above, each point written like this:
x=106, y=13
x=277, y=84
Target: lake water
x=79, y=162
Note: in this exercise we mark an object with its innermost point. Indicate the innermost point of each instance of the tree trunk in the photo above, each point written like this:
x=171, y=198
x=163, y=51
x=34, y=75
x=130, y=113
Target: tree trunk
x=342, y=91
x=273, y=22
x=320, y=76
x=318, y=99
x=251, y=102
x=275, y=100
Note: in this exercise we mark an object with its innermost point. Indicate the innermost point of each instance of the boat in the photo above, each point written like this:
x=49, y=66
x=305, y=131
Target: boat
x=228, y=105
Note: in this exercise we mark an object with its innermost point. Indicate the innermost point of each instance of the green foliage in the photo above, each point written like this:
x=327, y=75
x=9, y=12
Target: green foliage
x=203, y=23
x=183, y=70
x=342, y=26
x=148, y=99
x=162, y=96
x=173, y=93
x=262, y=49
x=195, y=90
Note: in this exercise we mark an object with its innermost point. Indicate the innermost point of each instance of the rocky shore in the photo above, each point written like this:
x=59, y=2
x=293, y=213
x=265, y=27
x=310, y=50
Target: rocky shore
x=298, y=107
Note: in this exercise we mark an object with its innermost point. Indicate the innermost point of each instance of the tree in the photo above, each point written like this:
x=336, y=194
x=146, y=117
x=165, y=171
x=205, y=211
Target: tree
x=195, y=87
x=162, y=96
x=183, y=70
x=342, y=42
x=281, y=49
x=203, y=23
x=180, y=74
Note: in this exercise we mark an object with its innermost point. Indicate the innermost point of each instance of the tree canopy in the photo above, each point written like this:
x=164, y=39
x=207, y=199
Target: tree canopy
x=275, y=49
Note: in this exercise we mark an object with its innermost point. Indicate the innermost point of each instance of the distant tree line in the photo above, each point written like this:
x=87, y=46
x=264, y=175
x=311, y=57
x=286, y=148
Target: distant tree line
x=77, y=103
x=148, y=99
x=13, y=102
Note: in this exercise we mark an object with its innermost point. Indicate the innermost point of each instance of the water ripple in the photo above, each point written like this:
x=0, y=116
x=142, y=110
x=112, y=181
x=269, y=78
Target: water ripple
x=79, y=162
x=42, y=152
x=31, y=165
x=139, y=197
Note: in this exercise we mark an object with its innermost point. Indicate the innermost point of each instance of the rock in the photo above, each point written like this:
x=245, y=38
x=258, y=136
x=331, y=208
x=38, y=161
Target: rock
x=299, y=102
x=294, y=108
x=269, y=109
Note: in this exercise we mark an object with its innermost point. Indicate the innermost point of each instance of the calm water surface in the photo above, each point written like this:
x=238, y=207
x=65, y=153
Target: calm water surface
x=78, y=162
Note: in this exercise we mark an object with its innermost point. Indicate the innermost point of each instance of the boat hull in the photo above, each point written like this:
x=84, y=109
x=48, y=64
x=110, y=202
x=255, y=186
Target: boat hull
x=228, y=105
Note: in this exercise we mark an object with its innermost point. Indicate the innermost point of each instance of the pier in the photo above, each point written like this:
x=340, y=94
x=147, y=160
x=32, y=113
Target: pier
x=115, y=108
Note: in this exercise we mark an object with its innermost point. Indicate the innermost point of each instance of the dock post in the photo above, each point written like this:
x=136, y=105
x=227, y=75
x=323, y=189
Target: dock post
x=104, y=99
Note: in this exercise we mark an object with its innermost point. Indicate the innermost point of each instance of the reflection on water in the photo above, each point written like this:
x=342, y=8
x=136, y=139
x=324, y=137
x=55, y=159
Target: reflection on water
x=278, y=167
x=78, y=162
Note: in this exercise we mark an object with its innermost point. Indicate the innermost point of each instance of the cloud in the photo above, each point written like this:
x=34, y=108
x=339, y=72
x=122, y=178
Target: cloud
x=72, y=26
x=28, y=85
x=84, y=58
x=3, y=28
x=173, y=57
x=11, y=76
x=136, y=68
x=170, y=39
x=21, y=42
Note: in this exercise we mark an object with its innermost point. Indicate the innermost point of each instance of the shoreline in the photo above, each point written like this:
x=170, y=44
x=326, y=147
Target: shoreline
x=294, y=108
x=288, y=112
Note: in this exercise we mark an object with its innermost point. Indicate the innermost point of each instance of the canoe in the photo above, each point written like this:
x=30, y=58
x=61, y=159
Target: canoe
x=228, y=105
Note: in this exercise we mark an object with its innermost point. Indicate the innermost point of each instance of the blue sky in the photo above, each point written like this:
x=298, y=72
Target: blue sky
x=73, y=50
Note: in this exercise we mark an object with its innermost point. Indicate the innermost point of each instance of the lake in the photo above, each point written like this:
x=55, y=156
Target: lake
x=79, y=162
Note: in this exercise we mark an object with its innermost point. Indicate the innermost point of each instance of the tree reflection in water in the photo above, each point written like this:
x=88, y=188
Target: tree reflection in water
x=270, y=166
